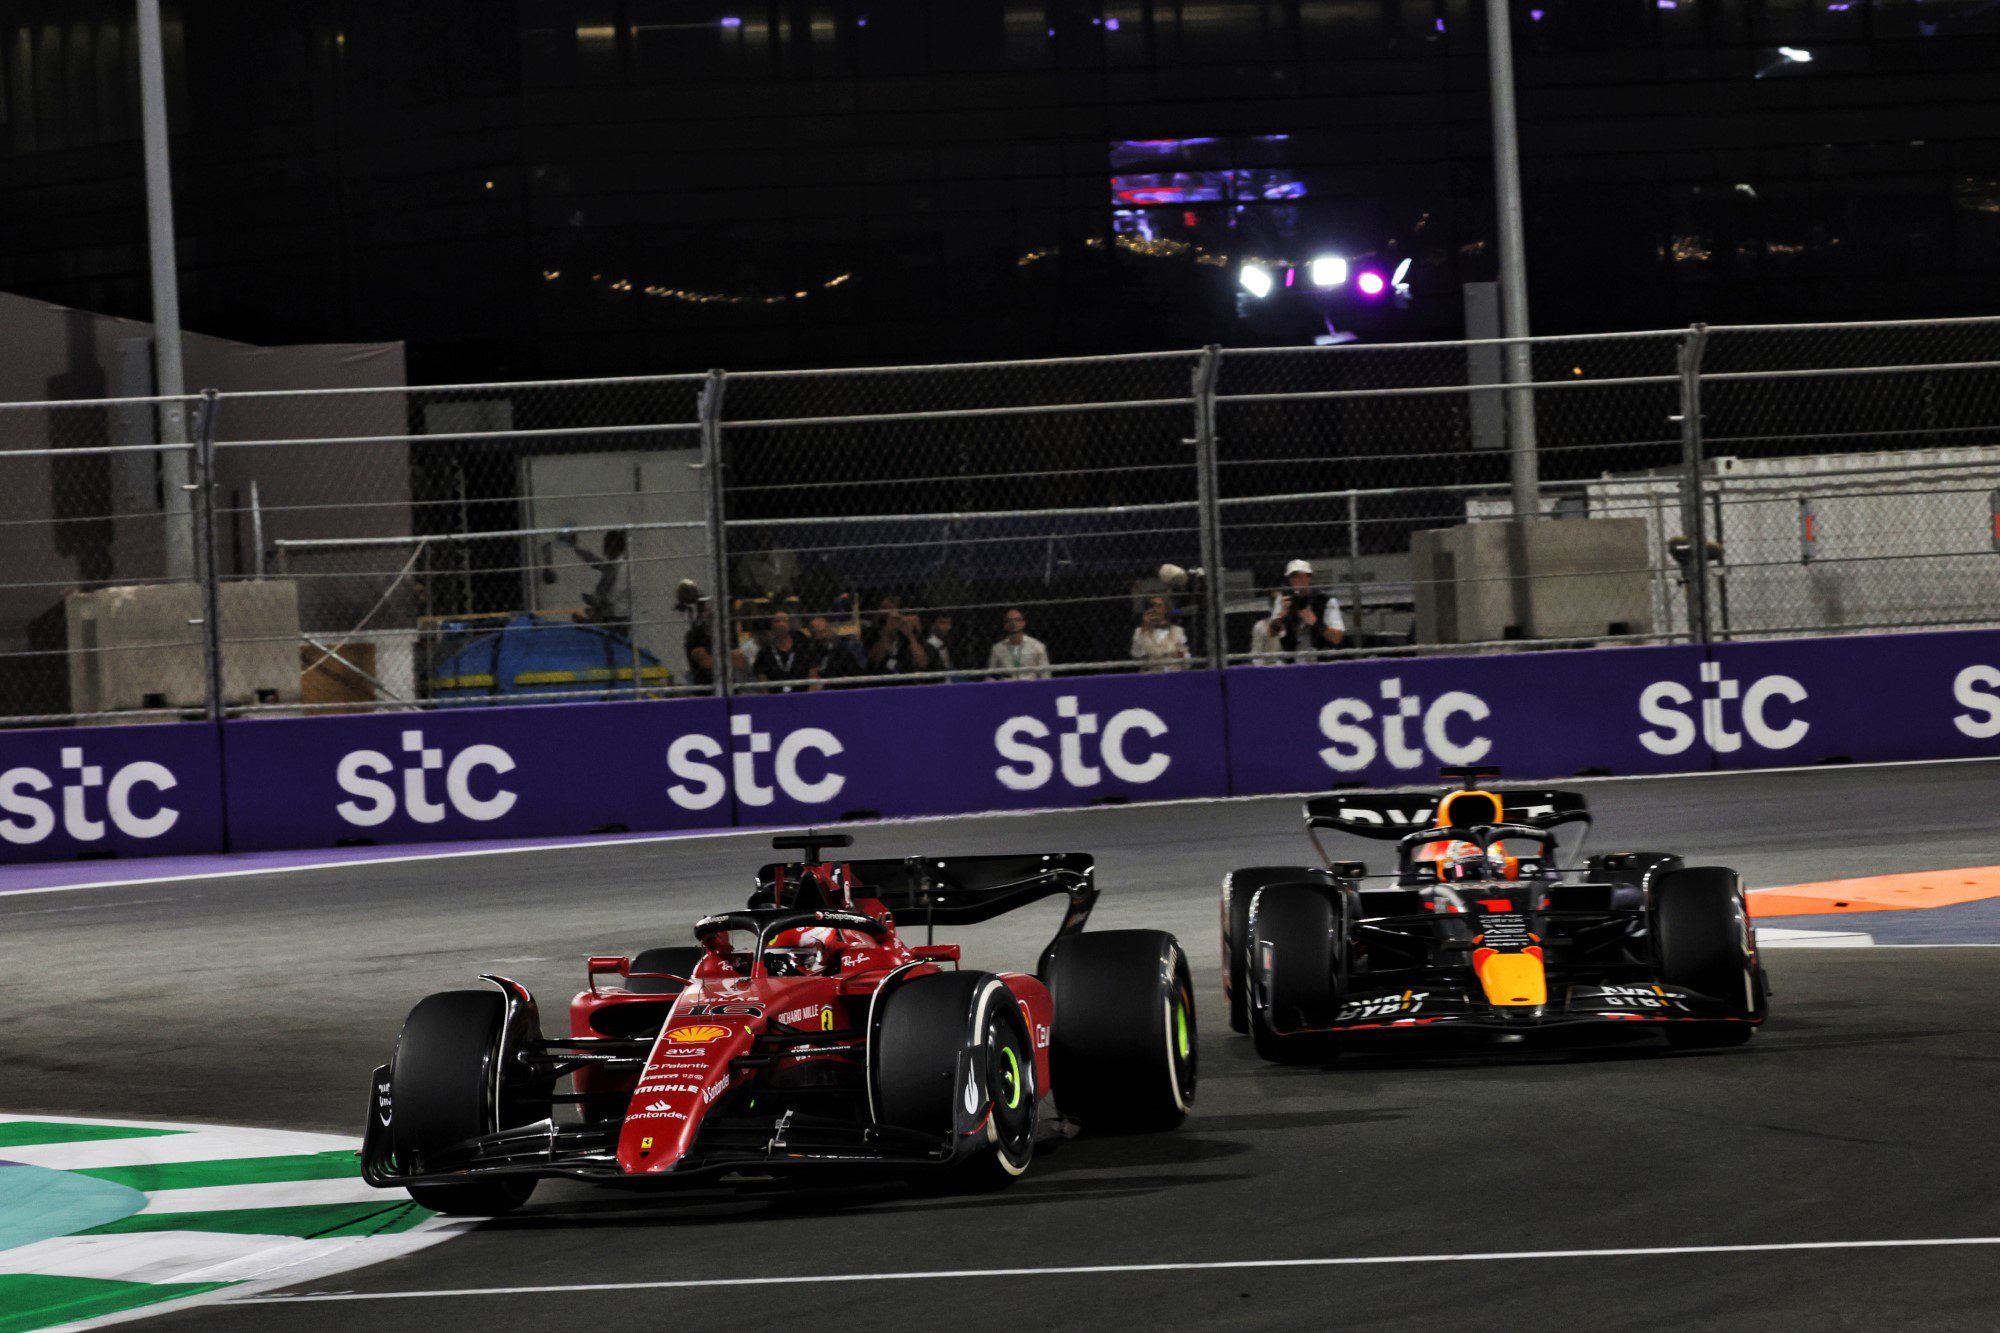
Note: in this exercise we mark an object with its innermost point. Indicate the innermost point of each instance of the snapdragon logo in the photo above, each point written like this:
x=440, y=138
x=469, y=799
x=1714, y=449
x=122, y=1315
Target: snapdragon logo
x=1975, y=689
x=30, y=817
x=703, y=783
x=1405, y=731
x=1667, y=704
x=368, y=776
x=1084, y=749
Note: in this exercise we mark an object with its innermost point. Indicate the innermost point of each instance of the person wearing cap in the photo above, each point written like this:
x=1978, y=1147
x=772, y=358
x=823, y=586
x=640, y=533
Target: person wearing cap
x=1304, y=621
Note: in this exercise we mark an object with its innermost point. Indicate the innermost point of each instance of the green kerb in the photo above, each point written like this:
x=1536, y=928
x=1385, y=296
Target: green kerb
x=31, y=1301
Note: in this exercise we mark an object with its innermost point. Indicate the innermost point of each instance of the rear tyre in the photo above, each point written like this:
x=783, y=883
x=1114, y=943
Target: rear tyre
x=678, y=959
x=1702, y=935
x=1238, y=888
x=1122, y=1055
x=443, y=1082
x=1298, y=951
x=951, y=1057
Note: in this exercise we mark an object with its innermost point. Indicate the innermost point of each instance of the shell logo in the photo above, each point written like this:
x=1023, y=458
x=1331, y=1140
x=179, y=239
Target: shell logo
x=696, y=1035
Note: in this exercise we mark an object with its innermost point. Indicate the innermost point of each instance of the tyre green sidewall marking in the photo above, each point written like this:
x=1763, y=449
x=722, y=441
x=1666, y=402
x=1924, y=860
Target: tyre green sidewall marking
x=1181, y=1026
x=1013, y=1078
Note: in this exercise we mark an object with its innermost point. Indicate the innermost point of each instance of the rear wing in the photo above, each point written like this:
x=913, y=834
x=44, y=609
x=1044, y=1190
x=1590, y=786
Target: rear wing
x=1391, y=816
x=957, y=890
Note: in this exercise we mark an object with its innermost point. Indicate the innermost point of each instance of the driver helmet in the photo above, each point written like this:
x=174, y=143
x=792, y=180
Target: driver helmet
x=1469, y=861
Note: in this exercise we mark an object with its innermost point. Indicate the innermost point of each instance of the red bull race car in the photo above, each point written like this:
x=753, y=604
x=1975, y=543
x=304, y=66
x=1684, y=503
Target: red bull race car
x=799, y=1034
x=1481, y=930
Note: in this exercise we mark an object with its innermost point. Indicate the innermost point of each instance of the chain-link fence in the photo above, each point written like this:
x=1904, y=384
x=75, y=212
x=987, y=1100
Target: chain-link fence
x=512, y=543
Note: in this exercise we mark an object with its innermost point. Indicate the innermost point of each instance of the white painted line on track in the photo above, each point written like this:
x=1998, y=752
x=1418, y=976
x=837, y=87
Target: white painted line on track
x=584, y=843
x=1088, y=1270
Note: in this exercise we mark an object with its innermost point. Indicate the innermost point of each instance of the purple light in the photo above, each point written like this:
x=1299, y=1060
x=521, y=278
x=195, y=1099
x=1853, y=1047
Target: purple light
x=1111, y=25
x=1669, y=4
x=1536, y=15
x=861, y=22
x=1371, y=283
x=731, y=21
x=1290, y=273
x=1440, y=25
x=1839, y=7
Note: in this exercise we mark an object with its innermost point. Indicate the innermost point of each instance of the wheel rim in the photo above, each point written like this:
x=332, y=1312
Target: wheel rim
x=1010, y=1082
x=1180, y=1038
x=1010, y=1079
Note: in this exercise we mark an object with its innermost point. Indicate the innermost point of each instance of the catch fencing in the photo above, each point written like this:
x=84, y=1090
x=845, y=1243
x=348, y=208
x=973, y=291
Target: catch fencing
x=421, y=549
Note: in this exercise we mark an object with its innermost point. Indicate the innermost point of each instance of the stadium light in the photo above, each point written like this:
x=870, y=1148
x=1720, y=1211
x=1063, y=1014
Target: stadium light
x=1371, y=283
x=1328, y=271
x=1256, y=280
x=1795, y=55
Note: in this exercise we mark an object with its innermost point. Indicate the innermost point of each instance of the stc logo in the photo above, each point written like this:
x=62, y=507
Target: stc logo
x=361, y=774
x=703, y=782
x=1080, y=748
x=1664, y=704
x=1974, y=688
x=30, y=818
x=1411, y=732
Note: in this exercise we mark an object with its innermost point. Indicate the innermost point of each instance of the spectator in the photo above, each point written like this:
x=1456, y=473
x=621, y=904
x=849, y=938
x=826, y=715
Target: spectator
x=1303, y=620
x=1158, y=644
x=610, y=602
x=1019, y=655
x=785, y=664
x=1263, y=648
x=699, y=644
x=833, y=654
x=939, y=642
x=764, y=570
x=895, y=642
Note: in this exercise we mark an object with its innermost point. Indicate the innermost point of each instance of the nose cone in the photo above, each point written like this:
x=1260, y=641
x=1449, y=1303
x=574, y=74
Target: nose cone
x=685, y=1075
x=1512, y=980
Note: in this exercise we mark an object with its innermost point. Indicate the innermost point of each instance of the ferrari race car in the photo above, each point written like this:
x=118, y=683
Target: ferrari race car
x=1480, y=929
x=799, y=1033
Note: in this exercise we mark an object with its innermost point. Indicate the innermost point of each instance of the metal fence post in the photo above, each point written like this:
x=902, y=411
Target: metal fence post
x=1206, y=371
x=720, y=630
x=207, y=569
x=1694, y=513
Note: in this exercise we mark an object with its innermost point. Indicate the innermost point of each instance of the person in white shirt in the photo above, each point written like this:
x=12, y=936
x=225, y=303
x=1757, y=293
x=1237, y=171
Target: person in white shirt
x=1020, y=655
x=1157, y=644
x=1304, y=622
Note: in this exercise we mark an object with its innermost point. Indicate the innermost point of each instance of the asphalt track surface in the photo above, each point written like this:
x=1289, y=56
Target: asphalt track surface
x=1865, y=1111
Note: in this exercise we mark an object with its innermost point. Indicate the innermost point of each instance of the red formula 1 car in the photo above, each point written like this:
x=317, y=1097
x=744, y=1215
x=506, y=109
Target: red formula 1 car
x=800, y=1033
x=1480, y=931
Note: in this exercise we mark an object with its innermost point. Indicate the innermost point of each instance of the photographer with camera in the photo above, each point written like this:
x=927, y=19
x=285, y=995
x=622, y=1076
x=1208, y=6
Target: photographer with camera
x=896, y=643
x=1304, y=621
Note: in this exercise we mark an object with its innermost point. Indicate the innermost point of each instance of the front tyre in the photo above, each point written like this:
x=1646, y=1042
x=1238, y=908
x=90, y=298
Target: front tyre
x=1704, y=942
x=1238, y=888
x=448, y=1087
x=1122, y=1053
x=951, y=1057
x=1297, y=973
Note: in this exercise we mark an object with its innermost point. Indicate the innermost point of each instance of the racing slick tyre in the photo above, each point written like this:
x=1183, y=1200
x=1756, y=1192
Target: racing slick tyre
x=679, y=960
x=1701, y=928
x=1122, y=1053
x=929, y=1029
x=443, y=1081
x=1238, y=888
x=1298, y=952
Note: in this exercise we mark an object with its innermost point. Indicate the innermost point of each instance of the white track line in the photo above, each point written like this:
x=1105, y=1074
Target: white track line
x=1085, y=1270
x=643, y=839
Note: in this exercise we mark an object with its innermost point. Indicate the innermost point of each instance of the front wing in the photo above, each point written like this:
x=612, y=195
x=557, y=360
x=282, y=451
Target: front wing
x=1449, y=1004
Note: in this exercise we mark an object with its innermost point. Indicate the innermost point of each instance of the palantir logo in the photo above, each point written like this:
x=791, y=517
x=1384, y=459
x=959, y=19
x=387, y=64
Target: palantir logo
x=31, y=818
x=1666, y=704
x=1359, y=734
x=1084, y=750
x=361, y=774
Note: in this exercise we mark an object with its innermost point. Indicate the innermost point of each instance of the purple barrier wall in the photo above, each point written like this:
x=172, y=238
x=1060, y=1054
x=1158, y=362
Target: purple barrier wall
x=558, y=769
x=531, y=771
x=942, y=749
x=1389, y=722
x=125, y=791
x=1879, y=697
